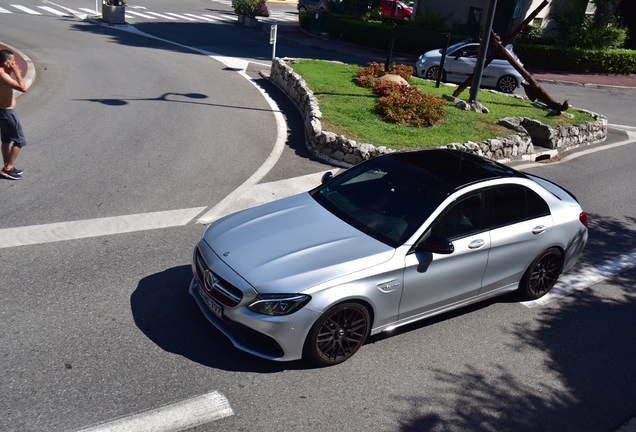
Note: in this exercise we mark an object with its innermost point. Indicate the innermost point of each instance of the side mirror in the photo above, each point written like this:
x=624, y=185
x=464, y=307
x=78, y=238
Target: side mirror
x=436, y=244
x=326, y=177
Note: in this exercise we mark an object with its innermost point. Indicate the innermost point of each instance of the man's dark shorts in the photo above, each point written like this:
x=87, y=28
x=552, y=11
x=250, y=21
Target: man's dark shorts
x=10, y=128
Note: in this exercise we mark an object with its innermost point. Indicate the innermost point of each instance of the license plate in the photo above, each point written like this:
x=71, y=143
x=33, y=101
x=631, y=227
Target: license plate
x=216, y=308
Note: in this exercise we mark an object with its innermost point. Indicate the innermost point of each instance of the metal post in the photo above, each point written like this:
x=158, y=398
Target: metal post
x=483, y=49
x=442, y=61
x=390, y=53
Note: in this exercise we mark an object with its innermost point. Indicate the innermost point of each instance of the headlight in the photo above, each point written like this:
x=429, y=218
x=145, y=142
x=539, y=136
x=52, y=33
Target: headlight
x=278, y=304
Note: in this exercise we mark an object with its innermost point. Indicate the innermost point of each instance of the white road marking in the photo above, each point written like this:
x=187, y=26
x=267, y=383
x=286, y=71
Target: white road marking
x=74, y=12
x=26, y=9
x=586, y=277
x=143, y=15
x=90, y=11
x=54, y=11
x=175, y=417
x=3, y=10
x=219, y=18
x=180, y=16
x=198, y=17
x=36, y=234
x=162, y=16
x=263, y=193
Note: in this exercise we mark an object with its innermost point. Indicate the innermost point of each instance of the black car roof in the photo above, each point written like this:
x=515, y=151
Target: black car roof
x=454, y=167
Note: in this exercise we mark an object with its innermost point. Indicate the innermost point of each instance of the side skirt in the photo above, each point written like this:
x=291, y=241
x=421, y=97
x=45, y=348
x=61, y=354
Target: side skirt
x=448, y=308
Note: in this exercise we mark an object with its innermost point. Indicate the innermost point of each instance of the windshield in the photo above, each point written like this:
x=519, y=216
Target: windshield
x=385, y=198
x=452, y=47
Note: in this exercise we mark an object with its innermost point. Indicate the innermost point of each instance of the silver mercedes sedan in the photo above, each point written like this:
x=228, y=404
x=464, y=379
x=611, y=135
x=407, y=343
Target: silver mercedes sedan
x=393, y=240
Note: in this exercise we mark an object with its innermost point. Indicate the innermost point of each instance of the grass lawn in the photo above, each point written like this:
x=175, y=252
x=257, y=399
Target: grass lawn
x=349, y=110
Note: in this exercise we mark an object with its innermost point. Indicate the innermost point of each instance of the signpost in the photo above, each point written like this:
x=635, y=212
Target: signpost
x=273, y=30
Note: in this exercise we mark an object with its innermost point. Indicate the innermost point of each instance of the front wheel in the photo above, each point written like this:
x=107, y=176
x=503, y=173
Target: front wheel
x=338, y=334
x=433, y=72
x=542, y=274
x=507, y=84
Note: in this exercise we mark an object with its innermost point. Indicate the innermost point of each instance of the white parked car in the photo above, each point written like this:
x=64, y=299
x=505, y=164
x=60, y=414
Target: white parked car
x=460, y=62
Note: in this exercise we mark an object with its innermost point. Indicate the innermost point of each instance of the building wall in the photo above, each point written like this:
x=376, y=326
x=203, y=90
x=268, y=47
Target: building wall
x=463, y=11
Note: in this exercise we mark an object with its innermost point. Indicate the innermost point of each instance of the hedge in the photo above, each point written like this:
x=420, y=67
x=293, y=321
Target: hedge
x=618, y=61
x=374, y=35
x=411, y=40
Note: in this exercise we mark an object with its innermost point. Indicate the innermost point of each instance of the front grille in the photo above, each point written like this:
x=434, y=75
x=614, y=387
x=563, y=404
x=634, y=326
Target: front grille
x=217, y=287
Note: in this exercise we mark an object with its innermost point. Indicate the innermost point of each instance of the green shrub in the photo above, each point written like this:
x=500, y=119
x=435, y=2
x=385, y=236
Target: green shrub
x=408, y=106
x=398, y=103
x=619, y=61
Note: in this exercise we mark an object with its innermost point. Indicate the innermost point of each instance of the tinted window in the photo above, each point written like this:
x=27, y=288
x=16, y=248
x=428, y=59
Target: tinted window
x=512, y=204
x=462, y=218
x=384, y=198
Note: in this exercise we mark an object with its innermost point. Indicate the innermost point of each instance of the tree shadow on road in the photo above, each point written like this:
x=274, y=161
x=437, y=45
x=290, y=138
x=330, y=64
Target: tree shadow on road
x=586, y=343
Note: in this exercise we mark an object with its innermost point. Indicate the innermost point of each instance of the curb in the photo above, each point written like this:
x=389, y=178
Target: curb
x=586, y=85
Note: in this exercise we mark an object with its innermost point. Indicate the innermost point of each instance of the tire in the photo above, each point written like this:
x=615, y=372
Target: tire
x=338, y=334
x=302, y=9
x=507, y=84
x=432, y=73
x=542, y=274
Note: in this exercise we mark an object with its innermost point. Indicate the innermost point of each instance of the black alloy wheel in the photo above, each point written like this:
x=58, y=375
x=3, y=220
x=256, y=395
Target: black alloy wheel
x=542, y=274
x=432, y=73
x=507, y=84
x=338, y=334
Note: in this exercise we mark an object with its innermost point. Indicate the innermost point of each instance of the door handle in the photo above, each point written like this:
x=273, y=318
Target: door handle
x=476, y=244
x=539, y=230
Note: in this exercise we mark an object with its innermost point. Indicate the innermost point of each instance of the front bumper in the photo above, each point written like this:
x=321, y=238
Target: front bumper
x=278, y=338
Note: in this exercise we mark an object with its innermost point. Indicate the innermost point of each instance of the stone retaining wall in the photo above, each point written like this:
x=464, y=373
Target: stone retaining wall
x=339, y=150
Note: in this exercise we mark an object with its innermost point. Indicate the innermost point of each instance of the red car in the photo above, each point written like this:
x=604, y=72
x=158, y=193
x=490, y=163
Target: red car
x=401, y=10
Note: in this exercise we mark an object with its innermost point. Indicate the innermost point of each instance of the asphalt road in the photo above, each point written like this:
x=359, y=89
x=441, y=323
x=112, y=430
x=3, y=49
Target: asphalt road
x=101, y=328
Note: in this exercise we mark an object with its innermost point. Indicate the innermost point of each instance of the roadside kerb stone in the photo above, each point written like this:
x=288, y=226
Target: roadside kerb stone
x=526, y=144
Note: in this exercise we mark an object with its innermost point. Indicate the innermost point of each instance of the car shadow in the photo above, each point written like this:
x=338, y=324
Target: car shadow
x=166, y=313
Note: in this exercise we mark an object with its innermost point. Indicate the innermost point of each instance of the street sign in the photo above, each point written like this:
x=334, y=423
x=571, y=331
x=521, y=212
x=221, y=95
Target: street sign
x=322, y=6
x=272, y=34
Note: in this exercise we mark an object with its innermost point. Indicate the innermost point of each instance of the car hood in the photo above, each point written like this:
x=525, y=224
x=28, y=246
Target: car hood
x=292, y=244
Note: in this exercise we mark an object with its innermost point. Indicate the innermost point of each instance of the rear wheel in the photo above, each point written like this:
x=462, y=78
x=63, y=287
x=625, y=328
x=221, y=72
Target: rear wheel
x=302, y=9
x=542, y=274
x=507, y=84
x=338, y=334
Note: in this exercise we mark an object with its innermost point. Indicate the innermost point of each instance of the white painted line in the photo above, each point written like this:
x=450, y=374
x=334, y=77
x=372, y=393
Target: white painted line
x=219, y=18
x=74, y=12
x=89, y=11
x=180, y=16
x=143, y=15
x=281, y=126
x=26, y=9
x=54, y=11
x=198, y=17
x=162, y=16
x=265, y=192
x=179, y=416
x=586, y=277
x=36, y=234
x=281, y=138
x=3, y=10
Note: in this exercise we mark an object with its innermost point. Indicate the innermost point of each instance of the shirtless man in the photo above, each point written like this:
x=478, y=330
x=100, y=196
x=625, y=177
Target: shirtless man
x=10, y=128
